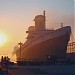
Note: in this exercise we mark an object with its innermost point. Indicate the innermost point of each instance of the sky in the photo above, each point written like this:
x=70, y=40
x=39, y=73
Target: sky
x=17, y=15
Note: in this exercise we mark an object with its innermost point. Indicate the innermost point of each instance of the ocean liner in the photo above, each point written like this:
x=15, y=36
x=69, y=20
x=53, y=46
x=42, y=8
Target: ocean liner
x=43, y=44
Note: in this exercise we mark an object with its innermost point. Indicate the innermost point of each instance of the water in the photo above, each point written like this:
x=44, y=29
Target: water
x=43, y=70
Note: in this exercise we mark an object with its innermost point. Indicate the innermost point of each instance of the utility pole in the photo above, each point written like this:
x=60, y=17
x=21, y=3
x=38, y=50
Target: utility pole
x=20, y=44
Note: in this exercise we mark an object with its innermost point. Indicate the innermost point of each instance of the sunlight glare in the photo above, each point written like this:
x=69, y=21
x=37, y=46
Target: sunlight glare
x=2, y=39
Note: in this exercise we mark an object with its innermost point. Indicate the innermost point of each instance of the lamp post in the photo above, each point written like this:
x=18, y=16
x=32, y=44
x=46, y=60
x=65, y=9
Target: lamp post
x=20, y=44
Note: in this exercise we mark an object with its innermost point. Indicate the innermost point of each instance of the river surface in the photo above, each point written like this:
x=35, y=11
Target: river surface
x=42, y=70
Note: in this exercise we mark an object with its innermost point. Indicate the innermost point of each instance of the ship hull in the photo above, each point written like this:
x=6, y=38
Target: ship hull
x=56, y=46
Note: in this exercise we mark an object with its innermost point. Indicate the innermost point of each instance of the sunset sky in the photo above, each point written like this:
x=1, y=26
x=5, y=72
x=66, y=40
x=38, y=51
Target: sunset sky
x=17, y=15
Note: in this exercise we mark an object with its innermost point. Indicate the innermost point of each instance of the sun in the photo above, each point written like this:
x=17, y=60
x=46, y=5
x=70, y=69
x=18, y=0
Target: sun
x=3, y=39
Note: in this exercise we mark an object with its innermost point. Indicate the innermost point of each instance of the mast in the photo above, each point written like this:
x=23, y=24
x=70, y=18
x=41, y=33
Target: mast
x=44, y=17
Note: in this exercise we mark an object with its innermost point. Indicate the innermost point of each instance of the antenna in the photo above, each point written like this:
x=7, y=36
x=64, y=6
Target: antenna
x=61, y=25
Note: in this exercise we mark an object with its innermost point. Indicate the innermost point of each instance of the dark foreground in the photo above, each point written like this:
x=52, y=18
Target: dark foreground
x=42, y=70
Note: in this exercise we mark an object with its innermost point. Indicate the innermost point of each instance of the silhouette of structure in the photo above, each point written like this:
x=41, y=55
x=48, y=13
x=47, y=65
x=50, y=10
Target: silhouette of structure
x=20, y=50
x=42, y=43
x=71, y=47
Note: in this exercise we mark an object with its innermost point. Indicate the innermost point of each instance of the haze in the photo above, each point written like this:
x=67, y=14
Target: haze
x=17, y=15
